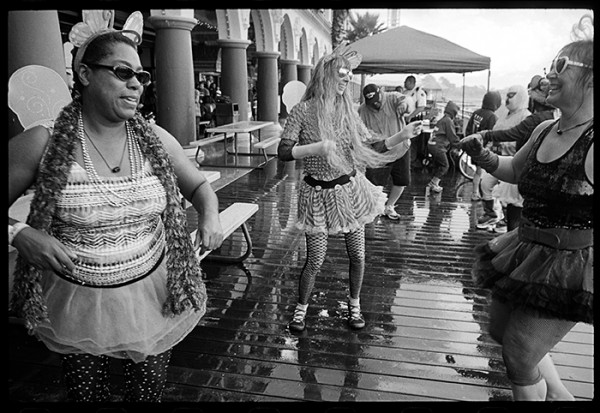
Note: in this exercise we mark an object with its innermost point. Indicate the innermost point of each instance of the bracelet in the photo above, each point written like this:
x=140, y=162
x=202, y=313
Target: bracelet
x=14, y=229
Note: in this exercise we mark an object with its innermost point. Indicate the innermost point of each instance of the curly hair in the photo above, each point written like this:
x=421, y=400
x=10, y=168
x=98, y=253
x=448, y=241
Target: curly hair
x=336, y=114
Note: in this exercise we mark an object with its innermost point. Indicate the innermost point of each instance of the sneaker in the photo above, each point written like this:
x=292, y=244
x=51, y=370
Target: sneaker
x=486, y=221
x=390, y=212
x=434, y=187
x=297, y=323
x=355, y=318
x=500, y=227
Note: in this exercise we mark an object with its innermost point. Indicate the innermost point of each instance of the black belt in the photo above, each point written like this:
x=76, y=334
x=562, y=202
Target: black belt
x=85, y=284
x=558, y=238
x=341, y=180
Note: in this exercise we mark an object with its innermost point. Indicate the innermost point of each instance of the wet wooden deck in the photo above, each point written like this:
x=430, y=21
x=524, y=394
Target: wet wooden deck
x=425, y=340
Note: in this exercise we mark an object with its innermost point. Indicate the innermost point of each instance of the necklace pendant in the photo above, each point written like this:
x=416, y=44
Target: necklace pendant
x=115, y=170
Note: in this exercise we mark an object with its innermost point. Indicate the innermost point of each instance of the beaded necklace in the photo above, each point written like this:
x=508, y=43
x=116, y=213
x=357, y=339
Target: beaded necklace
x=185, y=288
x=135, y=161
x=117, y=168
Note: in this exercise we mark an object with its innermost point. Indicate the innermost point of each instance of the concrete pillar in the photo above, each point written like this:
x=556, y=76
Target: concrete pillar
x=33, y=39
x=266, y=86
x=304, y=73
x=234, y=73
x=289, y=72
x=175, y=69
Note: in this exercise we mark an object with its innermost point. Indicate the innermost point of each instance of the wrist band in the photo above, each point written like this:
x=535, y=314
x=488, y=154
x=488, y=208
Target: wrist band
x=14, y=229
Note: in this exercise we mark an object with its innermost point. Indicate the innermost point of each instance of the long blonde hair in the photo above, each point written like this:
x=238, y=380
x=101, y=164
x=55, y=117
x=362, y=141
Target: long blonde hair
x=336, y=115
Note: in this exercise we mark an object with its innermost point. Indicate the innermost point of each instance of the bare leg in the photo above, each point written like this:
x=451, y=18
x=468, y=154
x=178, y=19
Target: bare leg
x=534, y=392
x=476, y=180
x=395, y=194
x=556, y=390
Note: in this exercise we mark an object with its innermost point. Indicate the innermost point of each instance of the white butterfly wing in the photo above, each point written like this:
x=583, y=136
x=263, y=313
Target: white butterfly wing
x=36, y=94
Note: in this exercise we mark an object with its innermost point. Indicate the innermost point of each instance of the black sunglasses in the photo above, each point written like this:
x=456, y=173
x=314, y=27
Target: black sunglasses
x=125, y=73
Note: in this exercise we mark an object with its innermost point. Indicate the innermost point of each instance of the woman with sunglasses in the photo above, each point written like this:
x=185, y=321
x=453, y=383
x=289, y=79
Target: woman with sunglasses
x=541, y=274
x=106, y=268
x=335, y=197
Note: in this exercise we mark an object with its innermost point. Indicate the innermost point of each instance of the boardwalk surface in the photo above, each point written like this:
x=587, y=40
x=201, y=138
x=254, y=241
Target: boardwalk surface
x=425, y=340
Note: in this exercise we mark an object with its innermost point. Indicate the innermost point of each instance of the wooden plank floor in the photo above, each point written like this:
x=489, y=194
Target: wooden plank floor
x=425, y=340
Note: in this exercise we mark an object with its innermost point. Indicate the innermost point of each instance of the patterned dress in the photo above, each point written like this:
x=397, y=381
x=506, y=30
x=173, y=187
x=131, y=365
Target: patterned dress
x=532, y=276
x=111, y=305
x=344, y=208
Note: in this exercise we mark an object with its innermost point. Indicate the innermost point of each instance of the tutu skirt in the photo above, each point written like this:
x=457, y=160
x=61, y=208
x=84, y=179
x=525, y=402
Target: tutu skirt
x=342, y=209
x=537, y=278
x=120, y=322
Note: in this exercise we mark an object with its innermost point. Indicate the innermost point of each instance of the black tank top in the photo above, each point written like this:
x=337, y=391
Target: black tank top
x=558, y=193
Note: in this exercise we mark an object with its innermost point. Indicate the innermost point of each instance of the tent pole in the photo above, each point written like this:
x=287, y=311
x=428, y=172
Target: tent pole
x=463, y=98
x=363, y=80
x=489, y=74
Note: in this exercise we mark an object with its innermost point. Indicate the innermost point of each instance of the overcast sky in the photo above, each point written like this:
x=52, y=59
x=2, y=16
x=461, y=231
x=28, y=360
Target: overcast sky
x=519, y=42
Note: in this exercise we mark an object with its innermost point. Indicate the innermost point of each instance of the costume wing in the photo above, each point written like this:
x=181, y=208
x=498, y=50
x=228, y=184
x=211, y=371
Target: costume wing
x=36, y=94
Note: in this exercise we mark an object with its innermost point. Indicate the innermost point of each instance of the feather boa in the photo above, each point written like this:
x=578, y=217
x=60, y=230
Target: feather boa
x=184, y=281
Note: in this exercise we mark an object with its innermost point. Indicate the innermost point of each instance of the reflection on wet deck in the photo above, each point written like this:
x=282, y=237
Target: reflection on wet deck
x=426, y=336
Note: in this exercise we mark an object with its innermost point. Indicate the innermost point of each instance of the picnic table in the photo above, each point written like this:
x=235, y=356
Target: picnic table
x=232, y=129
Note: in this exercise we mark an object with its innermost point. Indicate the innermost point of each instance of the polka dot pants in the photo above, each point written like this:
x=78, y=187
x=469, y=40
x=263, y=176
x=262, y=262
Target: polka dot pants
x=87, y=378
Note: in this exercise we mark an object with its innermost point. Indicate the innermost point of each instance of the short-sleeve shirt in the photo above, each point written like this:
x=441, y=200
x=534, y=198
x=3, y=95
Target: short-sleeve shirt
x=418, y=95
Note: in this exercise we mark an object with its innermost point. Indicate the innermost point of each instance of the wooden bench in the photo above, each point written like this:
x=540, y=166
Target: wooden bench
x=232, y=218
x=267, y=143
x=207, y=141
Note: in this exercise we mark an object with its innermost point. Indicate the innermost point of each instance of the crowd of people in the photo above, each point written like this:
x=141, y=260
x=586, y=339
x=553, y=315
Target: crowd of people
x=106, y=238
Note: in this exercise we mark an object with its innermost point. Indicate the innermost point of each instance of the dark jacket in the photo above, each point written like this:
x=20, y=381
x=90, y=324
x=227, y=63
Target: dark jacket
x=484, y=118
x=521, y=132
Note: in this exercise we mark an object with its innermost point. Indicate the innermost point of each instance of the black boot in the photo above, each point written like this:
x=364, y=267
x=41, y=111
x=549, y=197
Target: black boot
x=489, y=216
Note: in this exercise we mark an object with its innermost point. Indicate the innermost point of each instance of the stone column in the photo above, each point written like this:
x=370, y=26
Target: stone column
x=304, y=73
x=33, y=39
x=289, y=72
x=175, y=74
x=234, y=73
x=266, y=86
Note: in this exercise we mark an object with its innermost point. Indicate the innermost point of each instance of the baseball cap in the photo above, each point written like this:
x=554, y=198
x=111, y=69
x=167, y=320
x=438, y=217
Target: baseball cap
x=371, y=93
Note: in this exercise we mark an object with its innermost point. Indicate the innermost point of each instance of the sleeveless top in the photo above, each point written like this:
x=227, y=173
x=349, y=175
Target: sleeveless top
x=558, y=193
x=114, y=245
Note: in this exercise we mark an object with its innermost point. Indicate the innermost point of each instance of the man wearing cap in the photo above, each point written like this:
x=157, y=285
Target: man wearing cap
x=383, y=114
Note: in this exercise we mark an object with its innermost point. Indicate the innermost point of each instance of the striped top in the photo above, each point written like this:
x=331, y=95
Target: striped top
x=114, y=245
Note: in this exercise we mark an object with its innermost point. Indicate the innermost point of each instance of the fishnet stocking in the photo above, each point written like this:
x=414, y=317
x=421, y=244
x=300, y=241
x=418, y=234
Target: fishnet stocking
x=316, y=248
x=355, y=246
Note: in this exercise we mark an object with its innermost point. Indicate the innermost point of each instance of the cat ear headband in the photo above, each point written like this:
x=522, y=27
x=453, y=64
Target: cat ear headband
x=344, y=51
x=98, y=22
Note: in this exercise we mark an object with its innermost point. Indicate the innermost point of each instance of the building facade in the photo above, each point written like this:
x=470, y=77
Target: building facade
x=241, y=48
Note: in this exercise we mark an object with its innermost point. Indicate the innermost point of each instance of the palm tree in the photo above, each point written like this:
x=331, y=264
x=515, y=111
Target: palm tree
x=337, y=26
x=363, y=26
